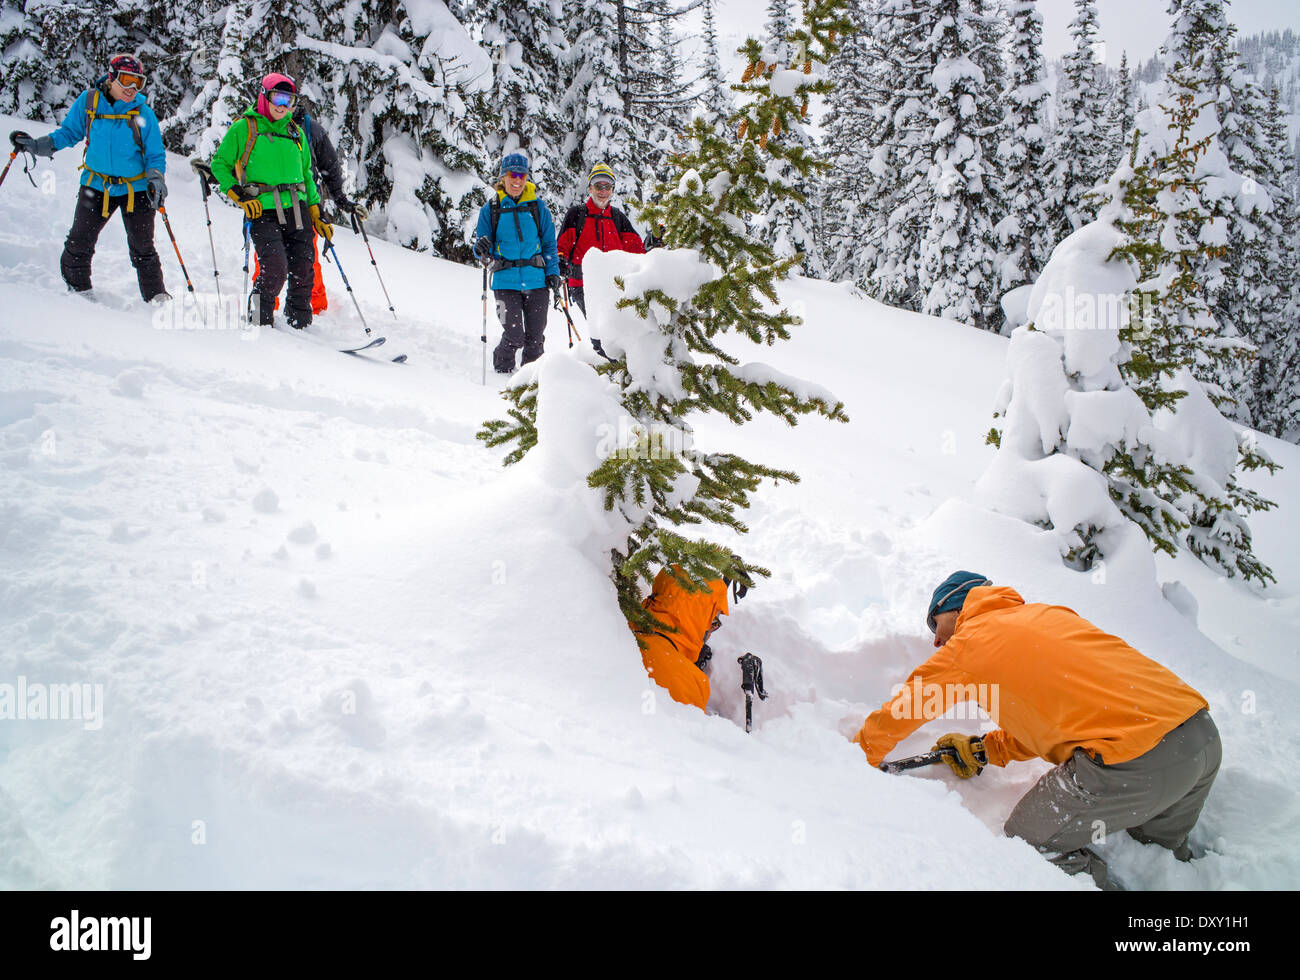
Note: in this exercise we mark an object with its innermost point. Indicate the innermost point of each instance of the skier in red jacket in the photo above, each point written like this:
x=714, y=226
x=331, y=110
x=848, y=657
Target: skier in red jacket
x=594, y=224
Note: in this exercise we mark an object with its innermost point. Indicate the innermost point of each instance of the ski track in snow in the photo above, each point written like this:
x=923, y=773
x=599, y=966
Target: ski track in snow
x=344, y=647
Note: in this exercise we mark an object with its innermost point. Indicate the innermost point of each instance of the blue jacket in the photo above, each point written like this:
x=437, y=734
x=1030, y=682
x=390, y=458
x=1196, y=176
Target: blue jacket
x=518, y=237
x=113, y=150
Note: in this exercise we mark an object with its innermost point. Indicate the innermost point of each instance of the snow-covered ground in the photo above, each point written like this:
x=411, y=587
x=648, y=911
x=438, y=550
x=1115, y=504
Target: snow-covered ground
x=340, y=646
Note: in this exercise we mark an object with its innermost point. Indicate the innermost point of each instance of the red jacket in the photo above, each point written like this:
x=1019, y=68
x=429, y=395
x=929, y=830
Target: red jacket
x=606, y=231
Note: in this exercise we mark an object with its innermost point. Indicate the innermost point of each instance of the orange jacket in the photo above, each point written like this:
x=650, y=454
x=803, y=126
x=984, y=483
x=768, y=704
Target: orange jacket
x=670, y=657
x=1047, y=676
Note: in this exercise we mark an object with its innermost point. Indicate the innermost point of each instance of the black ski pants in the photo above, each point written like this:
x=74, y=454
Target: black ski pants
x=523, y=324
x=283, y=251
x=89, y=221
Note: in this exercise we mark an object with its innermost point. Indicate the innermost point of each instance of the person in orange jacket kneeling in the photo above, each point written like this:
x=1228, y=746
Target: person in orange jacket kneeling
x=1134, y=747
x=674, y=660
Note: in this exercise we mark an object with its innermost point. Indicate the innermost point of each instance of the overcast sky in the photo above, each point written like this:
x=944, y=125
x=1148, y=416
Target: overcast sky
x=1138, y=26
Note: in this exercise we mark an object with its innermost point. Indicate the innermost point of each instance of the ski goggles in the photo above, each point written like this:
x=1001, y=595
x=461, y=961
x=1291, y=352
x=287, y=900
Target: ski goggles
x=602, y=185
x=280, y=99
x=129, y=79
x=515, y=174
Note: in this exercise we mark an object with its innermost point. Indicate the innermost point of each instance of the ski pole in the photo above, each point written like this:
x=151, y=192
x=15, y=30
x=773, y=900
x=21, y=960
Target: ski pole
x=28, y=163
x=205, y=174
x=185, y=272
x=358, y=226
x=484, y=337
x=573, y=330
x=333, y=252
x=566, y=309
x=248, y=298
x=751, y=682
x=8, y=165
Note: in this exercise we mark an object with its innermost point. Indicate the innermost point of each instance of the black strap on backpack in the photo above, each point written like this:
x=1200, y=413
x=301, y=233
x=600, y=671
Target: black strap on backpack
x=580, y=219
x=494, y=215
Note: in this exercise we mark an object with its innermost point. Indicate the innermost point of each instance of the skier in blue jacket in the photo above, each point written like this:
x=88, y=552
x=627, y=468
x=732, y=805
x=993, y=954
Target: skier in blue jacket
x=519, y=248
x=124, y=165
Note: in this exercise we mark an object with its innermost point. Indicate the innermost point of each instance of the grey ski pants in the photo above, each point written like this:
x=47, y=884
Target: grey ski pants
x=1156, y=797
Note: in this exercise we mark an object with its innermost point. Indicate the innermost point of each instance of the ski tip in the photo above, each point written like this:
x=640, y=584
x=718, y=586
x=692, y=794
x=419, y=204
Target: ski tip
x=399, y=359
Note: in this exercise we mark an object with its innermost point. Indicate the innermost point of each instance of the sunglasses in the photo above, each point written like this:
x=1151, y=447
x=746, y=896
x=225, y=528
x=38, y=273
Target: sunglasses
x=603, y=185
x=129, y=79
x=281, y=99
x=516, y=175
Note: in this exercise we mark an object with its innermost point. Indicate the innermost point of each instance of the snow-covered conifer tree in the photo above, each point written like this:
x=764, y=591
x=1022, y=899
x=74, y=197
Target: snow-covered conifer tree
x=525, y=40
x=879, y=135
x=593, y=104
x=786, y=221
x=1023, y=242
x=1078, y=154
x=51, y=52
x=1176, y=237
x=1120, y=115
x=1270, y=308
x=989, y=56
x=666, y=327
x=715, y=98
x=958, y=247
x=399, y=87
x=1103, y=425
x=853, y=218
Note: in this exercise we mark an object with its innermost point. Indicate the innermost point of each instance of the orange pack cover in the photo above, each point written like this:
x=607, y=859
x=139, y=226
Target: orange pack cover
x=669, y=657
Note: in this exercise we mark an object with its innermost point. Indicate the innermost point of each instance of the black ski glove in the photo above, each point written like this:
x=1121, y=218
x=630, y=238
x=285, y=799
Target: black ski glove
x=555, y=283
x=41, y=146
x=348, y=206
x=157, y=188
x=483, y=250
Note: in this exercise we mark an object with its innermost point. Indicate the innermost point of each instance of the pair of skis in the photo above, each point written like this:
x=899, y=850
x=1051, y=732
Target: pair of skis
x=207, y=181
x=377, y=342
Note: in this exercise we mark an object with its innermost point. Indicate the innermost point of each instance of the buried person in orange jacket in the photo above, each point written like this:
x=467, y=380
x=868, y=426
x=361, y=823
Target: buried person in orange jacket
x=674, y=660
x=1134, y=747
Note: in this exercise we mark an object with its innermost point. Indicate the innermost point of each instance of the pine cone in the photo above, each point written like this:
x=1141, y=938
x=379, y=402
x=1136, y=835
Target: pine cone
x=830, y=36
x=776, y=126
x=803, y=113
x=744, y=125
x=807, y=67
x=759, y=68
x=749, y=72
x=762, y=141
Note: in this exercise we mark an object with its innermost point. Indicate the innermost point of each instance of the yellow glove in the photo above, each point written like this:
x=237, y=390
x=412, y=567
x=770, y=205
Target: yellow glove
x=970, y=758
x=323, y=228
x=252, y=207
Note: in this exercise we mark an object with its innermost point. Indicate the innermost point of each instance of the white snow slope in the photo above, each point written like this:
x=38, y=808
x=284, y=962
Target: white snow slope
x=340, y=646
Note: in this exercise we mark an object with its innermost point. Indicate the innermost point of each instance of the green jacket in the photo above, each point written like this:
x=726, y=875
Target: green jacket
x=280, y=156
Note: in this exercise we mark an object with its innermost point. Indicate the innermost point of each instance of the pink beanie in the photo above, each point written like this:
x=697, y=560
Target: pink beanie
x=271, y=83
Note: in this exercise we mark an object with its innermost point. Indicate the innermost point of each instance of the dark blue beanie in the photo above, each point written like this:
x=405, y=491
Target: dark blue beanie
x=952, y=593
x=516, y=162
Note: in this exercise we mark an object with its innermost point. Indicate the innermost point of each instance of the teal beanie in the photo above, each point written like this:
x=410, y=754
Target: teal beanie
x=951, y=593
